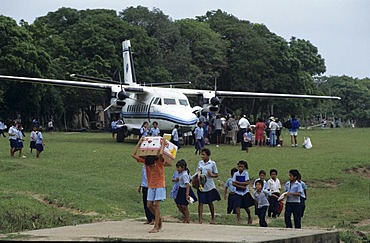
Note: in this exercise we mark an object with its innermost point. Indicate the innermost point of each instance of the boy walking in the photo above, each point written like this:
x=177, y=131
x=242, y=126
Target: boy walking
x=156, y=182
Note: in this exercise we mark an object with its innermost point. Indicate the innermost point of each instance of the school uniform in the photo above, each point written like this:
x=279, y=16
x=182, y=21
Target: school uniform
x=199, y=144
x=13, y=136
x=243, y=198
x=273, y=186
x=262, y=205
x=33, y=140
x=209, y=193
x=19, y=140
x=184, y=180
x=39, y=145
x=175, y=138
x=155, y=131
x=231, y=196
x=293, y=205
x=303, y=197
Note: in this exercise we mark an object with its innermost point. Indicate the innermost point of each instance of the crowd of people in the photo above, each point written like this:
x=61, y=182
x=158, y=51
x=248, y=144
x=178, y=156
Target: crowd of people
x=266, y=197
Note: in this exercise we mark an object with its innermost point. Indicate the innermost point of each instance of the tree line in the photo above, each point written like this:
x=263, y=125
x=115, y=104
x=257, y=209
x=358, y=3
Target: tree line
x=240, y=55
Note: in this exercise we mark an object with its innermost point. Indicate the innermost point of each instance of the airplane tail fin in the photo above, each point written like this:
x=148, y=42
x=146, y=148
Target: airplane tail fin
x=128, y=63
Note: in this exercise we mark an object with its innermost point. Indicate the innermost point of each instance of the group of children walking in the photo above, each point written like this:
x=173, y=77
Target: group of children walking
x=16, y=139
x=265, y=195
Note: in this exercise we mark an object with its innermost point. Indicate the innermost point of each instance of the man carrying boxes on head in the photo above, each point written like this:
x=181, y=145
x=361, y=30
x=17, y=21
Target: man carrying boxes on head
x=155, y=161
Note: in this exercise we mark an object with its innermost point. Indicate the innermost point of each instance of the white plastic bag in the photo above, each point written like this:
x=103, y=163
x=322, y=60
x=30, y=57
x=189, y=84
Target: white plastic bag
x=307, y=143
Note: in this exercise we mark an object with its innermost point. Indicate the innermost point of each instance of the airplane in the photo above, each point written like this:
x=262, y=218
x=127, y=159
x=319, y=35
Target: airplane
x=168, y=106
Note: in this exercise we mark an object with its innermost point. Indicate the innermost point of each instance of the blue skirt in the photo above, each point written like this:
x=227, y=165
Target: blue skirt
x=208, y=197
x=181, y=196
x=39, y=147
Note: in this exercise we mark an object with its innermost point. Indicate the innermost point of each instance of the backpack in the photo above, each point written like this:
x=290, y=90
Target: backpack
x=287, y=124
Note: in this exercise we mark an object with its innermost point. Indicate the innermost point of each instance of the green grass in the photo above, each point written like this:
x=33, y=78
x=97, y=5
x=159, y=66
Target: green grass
x=88, y=177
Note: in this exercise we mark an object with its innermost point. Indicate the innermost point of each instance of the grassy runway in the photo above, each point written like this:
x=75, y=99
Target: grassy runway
x=88, y=177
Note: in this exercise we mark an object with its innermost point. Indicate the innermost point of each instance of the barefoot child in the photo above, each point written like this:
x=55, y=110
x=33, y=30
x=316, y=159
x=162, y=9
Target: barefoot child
x=156, y=182
x=243, y=198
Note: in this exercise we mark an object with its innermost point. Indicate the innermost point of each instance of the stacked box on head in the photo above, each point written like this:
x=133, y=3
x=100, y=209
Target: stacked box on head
x=152, y=146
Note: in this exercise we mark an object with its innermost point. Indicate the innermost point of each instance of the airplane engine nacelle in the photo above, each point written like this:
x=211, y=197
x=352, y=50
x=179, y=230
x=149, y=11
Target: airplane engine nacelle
x=211, y=108
x=213, y=105
x=122, y=95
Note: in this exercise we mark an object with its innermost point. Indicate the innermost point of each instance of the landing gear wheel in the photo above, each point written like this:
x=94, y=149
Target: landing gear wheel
x=121, y=135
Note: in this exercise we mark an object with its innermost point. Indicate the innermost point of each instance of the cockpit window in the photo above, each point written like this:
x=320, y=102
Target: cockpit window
x=168, y=101
x=156, y=101
x=183, y=102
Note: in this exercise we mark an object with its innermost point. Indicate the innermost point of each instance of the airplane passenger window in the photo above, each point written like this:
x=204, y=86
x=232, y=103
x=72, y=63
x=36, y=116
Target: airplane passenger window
x=183, y=102
x=168, y=101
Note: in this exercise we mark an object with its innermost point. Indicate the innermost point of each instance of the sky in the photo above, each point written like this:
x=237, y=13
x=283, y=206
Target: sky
x=340, y=29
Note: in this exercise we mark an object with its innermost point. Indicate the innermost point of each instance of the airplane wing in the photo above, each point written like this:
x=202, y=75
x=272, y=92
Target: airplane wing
x=236, y=94
x=66, y=83
x=74, y=84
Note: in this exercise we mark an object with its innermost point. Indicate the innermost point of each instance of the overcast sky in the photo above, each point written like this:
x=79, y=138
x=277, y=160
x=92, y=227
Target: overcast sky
x=340, y=29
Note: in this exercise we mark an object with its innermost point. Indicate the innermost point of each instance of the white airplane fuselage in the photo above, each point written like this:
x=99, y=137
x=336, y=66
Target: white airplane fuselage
x=167, y=107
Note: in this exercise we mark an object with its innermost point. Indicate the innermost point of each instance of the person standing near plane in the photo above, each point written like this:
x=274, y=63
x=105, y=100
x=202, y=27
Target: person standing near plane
x=199, y=137
x=144, y=130
x=114, y=127
x=243, y=125
x=175, y=136
x=154, y=131
x=218, y=129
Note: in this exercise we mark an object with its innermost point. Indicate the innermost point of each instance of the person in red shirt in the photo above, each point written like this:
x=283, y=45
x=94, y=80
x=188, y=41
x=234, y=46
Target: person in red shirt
x=156, y=182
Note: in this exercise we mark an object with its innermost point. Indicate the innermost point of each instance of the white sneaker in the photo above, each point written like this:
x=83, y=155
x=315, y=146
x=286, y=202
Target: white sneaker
x=279, y=145
x=296, y=145
x=217, y=146
x=23, y=157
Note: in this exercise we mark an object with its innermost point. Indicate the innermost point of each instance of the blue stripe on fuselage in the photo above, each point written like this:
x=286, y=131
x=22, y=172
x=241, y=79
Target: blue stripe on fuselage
x=163, y=116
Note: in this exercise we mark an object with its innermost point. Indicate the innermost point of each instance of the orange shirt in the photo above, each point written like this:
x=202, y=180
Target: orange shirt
x=155, y=174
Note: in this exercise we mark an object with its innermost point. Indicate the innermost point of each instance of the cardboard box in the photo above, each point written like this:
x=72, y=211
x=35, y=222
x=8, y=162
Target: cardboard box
x=152, y=145
x=167, y=136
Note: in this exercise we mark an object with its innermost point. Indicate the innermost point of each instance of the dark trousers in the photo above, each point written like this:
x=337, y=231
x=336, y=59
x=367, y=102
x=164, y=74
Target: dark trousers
x=261, y=212
x=273, y=208
x=303, y=205
x=149, y=216
x=278, y=133
x=2, y=133
x=295, y=209
x=231, y=204
x=241, y=132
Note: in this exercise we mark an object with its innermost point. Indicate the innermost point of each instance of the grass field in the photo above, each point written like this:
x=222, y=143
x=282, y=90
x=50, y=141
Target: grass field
x=88, y=177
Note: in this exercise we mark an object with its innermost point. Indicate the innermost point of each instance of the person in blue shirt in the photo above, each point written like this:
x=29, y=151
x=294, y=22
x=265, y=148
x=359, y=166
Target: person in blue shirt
x=231, y=198
x=208, y=192
x=154, y=131
x=293, y=193
x=261, y=196
x=243, y=198
x=144, y=130
x=199, y=137
x=293, y=130
x=185, y=194
x=143, y=188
